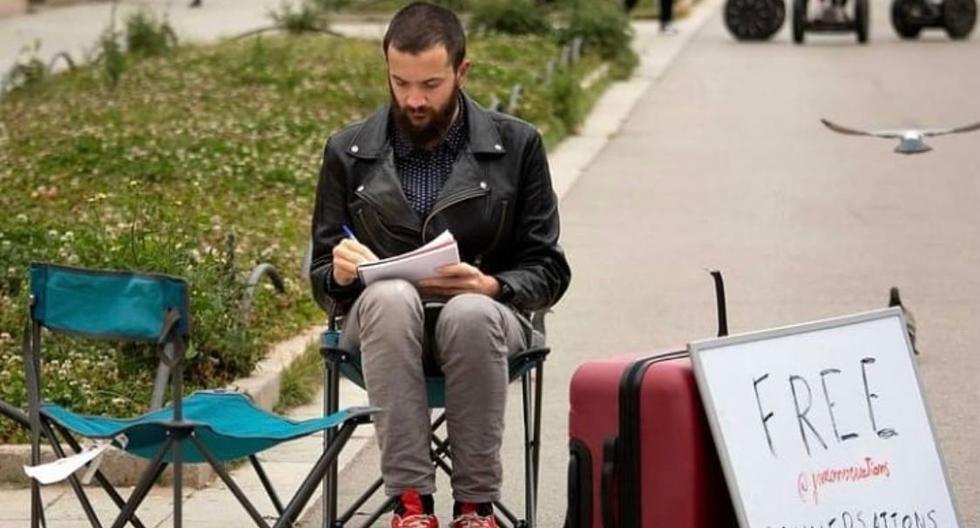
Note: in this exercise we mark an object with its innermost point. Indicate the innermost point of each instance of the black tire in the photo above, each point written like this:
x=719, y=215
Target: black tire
x=799, y=21
x=754, y=19
x=862, y=18
x=959, y=17
x=902, y=20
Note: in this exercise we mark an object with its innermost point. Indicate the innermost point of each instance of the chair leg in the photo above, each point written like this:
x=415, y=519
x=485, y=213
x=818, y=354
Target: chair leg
x=76, y=486
x=509, y=515
x=538, y=400
x=327, y=460
x=99, y=476
x=153, y=471
x=331, y=404
x=273, y=496
x=388, y=504
x=232, y=486
x=178, y=465
x=529, y=476
x=21, y=419
x=366, y=496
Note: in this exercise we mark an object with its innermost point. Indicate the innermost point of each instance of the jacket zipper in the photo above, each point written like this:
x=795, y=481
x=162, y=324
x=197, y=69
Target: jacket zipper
x=461, y=197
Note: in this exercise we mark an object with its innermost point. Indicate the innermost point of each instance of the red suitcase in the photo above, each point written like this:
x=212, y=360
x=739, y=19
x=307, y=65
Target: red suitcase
x=641, y=449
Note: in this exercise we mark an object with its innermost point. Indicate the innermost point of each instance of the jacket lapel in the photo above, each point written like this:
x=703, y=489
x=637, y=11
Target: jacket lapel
x=381, y=185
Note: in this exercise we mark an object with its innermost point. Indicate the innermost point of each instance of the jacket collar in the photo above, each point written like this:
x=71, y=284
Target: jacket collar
x=371, y=141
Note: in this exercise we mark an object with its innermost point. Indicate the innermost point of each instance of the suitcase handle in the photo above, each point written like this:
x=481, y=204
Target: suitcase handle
x=720, y=302
x=608, y=475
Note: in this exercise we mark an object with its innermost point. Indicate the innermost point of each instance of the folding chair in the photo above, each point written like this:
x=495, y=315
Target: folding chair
x=208, y=426
x=526, y=366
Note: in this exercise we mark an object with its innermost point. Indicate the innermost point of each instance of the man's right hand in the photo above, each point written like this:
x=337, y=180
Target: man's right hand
x=347, y=256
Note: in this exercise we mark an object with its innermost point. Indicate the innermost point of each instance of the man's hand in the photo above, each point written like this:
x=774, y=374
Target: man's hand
x=347, y=256
x=455, y=279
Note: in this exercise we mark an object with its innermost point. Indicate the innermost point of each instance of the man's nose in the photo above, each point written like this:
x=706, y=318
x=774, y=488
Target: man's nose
x=416, y=100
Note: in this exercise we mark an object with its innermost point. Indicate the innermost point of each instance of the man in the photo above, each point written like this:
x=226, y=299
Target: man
x=428, y=161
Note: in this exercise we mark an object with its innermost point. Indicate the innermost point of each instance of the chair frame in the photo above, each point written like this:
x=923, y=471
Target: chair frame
x=171, y=351
x=529, y=366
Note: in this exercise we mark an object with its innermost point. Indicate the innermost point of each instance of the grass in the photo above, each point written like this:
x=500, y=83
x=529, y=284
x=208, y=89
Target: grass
x=199, y=163
x=300, y=379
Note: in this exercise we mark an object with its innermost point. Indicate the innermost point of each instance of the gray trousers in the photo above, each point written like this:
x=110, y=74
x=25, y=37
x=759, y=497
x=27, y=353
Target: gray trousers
x=470, y=343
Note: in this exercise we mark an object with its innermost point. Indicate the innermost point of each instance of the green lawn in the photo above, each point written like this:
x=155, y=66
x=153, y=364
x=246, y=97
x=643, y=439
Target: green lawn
x=201, y=163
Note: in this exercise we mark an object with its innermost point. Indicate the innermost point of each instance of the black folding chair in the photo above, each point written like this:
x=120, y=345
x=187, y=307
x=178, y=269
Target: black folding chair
x=526, y=366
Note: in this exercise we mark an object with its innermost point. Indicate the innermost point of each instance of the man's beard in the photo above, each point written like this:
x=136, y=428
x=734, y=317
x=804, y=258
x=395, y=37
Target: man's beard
x=435, y=127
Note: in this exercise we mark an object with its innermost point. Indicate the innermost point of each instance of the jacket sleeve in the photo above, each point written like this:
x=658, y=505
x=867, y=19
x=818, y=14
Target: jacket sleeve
x=540, y=273
x=329, y=215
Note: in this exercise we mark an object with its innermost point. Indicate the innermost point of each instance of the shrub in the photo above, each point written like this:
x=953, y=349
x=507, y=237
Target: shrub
x=514, y=17
x=303, y=18
x=111, y=56
x=566, y=97
x=602, y=25
x=147, y=36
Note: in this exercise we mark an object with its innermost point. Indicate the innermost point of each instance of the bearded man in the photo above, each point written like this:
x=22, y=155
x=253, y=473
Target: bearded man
x=431, y=160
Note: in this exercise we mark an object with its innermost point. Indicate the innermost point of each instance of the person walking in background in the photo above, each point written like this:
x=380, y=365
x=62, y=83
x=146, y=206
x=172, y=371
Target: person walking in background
x=667, y=17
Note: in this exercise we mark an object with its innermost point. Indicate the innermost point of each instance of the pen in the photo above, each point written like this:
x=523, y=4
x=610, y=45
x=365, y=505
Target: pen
x=348, y=233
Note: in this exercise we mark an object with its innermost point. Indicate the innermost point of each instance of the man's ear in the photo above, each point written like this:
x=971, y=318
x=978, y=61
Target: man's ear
x=463, y=72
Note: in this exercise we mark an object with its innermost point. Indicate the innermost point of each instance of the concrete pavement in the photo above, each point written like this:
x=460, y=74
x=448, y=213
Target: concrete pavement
x=723, y=164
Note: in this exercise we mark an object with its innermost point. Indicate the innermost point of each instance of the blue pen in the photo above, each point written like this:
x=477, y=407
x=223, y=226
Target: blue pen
x=348, y=233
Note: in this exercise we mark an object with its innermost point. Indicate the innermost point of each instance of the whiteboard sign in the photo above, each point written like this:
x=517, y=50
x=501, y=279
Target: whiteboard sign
x=824, y=425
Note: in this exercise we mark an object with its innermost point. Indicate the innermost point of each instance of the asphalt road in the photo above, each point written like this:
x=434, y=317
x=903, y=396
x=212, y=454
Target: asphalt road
x=724, y=164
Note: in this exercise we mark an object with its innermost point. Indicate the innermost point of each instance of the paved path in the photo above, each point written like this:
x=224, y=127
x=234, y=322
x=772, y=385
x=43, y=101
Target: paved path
x=723, y=164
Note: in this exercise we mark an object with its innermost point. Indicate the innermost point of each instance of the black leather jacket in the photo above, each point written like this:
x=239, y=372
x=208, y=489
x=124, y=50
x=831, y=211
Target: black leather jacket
x=498, y=202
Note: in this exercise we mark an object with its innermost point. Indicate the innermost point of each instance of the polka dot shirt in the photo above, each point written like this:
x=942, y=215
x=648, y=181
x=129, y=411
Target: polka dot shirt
x=423, y=172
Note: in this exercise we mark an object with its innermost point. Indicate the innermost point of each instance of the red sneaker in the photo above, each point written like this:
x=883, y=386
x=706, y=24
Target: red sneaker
x=411, y=513
x=469, y=517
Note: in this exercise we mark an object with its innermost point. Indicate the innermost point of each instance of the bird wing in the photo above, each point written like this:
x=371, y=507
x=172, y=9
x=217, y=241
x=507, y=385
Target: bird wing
x=842, y=129
x=945, y=131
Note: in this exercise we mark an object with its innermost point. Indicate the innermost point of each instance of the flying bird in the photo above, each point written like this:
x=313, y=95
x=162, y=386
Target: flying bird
x=910, y=141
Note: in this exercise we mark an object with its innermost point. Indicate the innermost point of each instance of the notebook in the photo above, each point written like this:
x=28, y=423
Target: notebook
x=414, y=265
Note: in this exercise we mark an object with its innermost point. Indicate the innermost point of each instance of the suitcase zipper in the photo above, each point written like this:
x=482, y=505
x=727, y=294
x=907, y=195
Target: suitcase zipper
x=629, y=437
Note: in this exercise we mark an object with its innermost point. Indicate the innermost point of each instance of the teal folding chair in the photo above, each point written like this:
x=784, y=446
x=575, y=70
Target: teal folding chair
x=208, y=426
x=526, y=366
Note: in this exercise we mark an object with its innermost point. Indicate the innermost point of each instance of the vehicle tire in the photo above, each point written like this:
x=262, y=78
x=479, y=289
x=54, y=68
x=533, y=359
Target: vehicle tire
x=754, y=19
x=799, y=20
x=959, y=17
x=902, y=19
x=862, y=17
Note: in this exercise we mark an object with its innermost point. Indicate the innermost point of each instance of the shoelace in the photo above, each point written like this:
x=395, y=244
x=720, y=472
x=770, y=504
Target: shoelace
x=473, y=520
x=416, y=521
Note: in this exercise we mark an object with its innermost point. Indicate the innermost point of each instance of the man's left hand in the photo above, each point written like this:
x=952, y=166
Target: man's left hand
x=455, y=279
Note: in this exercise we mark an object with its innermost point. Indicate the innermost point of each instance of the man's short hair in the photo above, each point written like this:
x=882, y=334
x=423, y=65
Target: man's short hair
x=420, y=26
